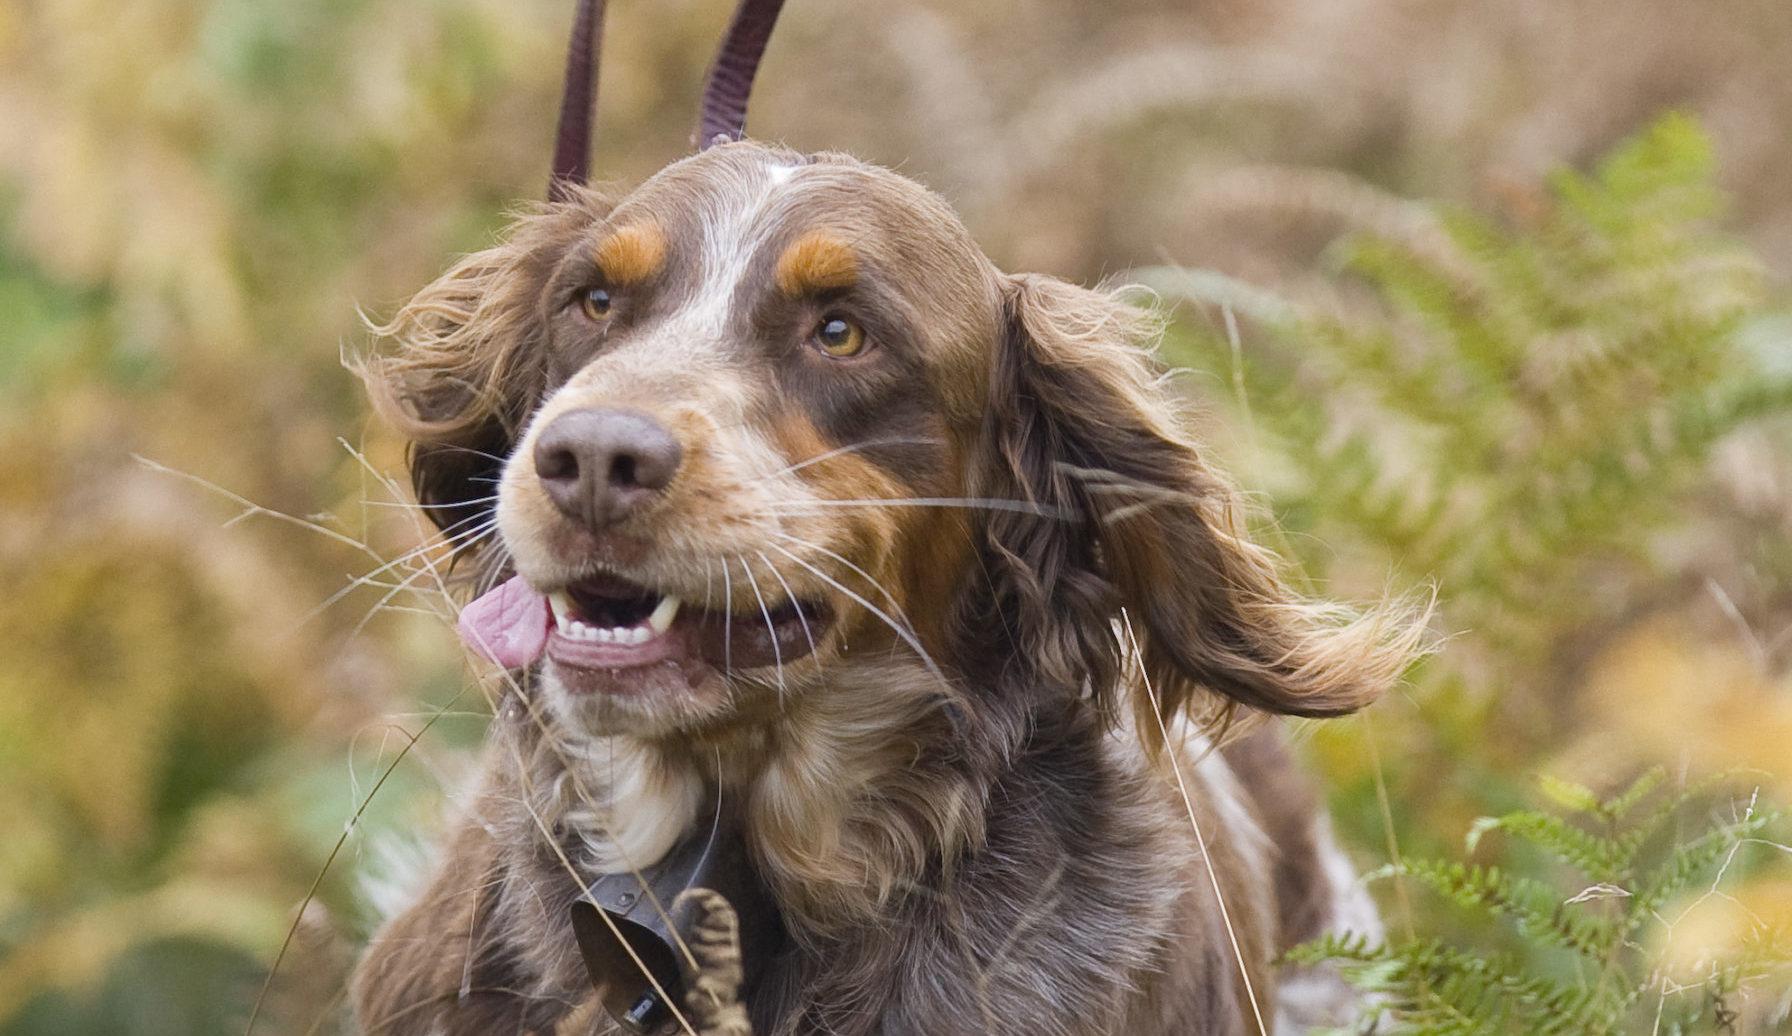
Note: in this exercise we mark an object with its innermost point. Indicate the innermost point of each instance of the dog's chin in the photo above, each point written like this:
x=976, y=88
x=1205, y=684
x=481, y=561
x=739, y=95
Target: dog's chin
x=647, y=701
x=668, y=701
x=672, y=683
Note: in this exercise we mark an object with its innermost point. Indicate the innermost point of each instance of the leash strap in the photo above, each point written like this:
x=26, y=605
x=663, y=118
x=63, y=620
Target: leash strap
x=723, y=117
x=578, y=101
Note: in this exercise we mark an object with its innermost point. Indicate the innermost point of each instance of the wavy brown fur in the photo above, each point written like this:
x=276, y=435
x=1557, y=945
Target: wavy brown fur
x=965, y=811
x=1082, y=421
x=468, y=368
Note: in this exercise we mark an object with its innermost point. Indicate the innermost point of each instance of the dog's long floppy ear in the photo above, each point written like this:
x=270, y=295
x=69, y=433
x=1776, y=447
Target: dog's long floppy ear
x=469, y=364
x=1138, y=539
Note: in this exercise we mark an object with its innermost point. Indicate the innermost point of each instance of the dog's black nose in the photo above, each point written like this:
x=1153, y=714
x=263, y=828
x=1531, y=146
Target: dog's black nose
x=599, y=464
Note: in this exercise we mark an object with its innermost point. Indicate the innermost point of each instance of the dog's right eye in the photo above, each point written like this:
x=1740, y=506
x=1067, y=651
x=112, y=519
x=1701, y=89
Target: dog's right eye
x=595, y=302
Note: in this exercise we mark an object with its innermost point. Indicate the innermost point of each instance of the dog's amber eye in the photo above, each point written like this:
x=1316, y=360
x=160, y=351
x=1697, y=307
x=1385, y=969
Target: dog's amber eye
x=838, y=336
x=596, y=303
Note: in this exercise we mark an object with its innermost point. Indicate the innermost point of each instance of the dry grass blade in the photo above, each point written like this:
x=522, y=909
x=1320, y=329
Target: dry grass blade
x=1173, y=750
x=335, y=850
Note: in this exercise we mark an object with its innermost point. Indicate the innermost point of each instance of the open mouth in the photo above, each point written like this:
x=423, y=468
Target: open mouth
x=605, y=623
x=612, y=611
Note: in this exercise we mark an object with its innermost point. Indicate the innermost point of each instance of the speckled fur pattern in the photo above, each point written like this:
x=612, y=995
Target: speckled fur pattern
x=987, y=801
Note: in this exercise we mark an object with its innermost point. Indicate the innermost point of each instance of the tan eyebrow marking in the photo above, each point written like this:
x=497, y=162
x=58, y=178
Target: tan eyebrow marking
x=817, y=261
x=632, y=254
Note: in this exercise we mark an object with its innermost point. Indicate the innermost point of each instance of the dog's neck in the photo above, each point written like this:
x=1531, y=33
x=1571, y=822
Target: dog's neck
x=841, y=808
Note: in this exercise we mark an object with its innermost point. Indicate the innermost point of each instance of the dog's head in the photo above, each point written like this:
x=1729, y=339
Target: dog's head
x=771, y=415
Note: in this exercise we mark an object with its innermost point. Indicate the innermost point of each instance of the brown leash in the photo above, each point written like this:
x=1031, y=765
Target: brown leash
x=578, y=101
x=721, y=118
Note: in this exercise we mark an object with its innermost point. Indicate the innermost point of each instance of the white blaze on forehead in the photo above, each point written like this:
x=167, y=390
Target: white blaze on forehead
x=736, y=217
x=737, y=221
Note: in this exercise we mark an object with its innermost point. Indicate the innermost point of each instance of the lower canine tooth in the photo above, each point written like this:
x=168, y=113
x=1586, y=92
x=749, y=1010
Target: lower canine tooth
x=663, y=614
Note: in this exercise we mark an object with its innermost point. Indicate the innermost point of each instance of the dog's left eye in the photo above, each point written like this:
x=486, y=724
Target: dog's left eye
x=596, y=303
x=838, y=336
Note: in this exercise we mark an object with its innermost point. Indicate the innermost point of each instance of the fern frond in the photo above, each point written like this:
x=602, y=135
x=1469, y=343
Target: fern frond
x=1436, y=988
x=1692, y=860
x=1536, y=909
x=1517, y=411
x=1600, y=859
x=1617, y=807
x=1534, y=406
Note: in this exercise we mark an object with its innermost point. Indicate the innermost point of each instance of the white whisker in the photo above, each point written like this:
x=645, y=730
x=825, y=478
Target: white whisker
x=965, y=503
x=895, y=606
x=770, y=629
x=907, y=636
x=837, y=451
x=727, y=622
x=468, y=449
x=406, y=504
x=791, y=597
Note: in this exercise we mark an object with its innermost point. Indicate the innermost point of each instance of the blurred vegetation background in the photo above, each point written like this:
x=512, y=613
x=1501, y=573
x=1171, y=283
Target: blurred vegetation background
x=1464, y=308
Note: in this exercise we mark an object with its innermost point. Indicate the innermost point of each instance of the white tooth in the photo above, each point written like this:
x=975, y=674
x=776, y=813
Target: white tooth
x=605, y=636
x=562, y=606
x=640, y=635
x=663, y=614
x=575, y=629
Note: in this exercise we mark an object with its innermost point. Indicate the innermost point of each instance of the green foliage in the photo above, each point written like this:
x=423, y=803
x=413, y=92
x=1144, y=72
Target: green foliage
x=1504, y=409
x=1610, y=925
x=47, y=322
x=1524, y=413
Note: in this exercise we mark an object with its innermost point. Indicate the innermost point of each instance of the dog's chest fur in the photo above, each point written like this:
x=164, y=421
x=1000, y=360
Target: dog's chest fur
x=1076, y=902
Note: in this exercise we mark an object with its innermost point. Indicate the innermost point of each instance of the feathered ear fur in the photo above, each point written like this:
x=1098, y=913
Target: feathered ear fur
x=469, y=367
x=1083, y=425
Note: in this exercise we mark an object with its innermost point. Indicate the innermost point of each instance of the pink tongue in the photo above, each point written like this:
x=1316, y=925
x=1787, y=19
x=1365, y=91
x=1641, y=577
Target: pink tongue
x=508, y=625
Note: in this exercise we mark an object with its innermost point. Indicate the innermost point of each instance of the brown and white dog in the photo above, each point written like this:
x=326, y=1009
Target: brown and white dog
x=803, y=503
x=805, y=508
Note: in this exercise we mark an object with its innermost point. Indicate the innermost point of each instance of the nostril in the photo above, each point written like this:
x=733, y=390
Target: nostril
x=557, y=464
x=653, y=459
x=622, y=471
